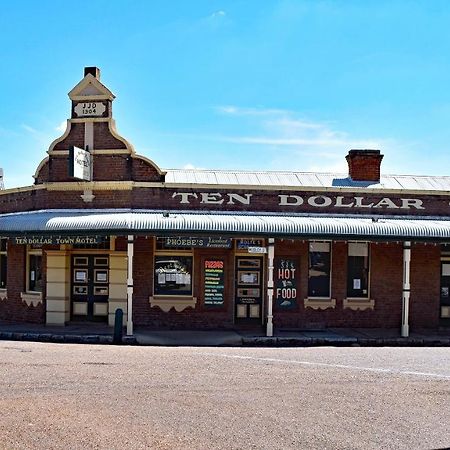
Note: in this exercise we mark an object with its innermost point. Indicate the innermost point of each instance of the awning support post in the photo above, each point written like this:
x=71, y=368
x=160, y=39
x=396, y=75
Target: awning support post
x=130, y=252
x=406, y=288
x=270, y=253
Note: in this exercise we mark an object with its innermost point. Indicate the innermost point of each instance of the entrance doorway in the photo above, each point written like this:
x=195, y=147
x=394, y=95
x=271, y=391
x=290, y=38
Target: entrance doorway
x=248, y=290
x=90, y=288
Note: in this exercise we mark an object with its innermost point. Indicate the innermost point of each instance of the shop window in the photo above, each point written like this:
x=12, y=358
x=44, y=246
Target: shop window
x=358, y=270
x=3, y=263
x=34, y=271
x=173, y=275
x=319, y=274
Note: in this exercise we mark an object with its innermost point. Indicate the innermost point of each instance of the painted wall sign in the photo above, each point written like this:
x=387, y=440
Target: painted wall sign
x=85, y=109
x=197, y=242
x=80, y=163
x=57, y=240
x=291, y=202
x=286, y=275
x=214, y=282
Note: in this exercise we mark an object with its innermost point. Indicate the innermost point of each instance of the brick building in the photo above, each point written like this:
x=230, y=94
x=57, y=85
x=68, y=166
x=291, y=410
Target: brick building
x=104, y=228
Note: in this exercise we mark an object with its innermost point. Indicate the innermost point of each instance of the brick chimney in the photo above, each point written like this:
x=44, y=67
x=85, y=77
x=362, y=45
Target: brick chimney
x=364, y=165
x=94, y=71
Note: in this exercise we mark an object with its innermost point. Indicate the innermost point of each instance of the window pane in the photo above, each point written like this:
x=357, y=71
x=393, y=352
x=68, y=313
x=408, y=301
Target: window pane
x=173, y=275
x=35, y=273
x=319, y=269
x=3, y=272
x=358, y=271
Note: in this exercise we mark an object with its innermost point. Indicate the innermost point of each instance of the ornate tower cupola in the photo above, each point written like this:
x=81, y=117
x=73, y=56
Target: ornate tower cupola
x=91, y=127
x=90, y=98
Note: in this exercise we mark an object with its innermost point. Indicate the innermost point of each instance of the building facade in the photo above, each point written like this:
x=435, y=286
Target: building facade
x=103, y=228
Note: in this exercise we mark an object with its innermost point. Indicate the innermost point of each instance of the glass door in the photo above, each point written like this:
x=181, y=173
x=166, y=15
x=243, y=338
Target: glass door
x=248, y=290
x=90, y=287
x=445, y=294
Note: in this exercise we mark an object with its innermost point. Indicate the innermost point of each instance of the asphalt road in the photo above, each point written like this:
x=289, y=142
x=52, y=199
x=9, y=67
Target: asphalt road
x=55, y=396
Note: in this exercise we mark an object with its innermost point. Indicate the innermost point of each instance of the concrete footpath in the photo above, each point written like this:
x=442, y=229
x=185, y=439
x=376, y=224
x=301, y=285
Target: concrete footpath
x=102, y=334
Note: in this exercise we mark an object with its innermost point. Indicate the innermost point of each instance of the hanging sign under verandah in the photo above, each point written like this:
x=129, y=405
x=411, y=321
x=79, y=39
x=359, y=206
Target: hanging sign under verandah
x=57, y=240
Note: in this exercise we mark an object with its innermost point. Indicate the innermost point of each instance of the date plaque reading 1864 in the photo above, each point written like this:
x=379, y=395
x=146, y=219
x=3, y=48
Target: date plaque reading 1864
x=84, y=109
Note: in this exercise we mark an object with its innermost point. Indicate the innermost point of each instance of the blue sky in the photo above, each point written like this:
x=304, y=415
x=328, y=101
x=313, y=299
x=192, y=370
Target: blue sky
x=232, y=84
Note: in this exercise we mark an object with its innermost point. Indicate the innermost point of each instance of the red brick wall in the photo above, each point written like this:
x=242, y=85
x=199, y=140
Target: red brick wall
x=104, y=140
x=199, y=317
x=13, y=309
x=364, y=165
x=119, y=166
x=425, y=286
x=75, y=138
x=385, y=289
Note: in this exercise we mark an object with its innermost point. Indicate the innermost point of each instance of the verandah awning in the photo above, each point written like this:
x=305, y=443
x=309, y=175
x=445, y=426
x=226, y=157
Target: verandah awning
x=119, y=221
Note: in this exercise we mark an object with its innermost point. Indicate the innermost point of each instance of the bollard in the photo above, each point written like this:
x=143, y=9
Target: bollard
x=118, y=327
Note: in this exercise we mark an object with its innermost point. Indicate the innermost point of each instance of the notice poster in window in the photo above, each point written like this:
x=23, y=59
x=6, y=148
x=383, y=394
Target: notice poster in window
x=285, y=277
x=101, y=276
x=81, y=276
x=248, y=277
x=356, y=283
x=173, y=275
x=214, y=282
x=179, y=278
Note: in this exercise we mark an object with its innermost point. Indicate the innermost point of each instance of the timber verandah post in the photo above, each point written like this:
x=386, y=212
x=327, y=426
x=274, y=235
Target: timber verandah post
x=270, y=252
x=406, y=288
x=130, y=252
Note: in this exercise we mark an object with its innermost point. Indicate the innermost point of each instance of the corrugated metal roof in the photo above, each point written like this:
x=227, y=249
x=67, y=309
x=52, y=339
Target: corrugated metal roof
x=143, y=221
x=303, y=179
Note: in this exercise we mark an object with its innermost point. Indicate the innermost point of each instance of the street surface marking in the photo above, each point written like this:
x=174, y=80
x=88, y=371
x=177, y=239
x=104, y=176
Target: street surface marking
x=334, y=366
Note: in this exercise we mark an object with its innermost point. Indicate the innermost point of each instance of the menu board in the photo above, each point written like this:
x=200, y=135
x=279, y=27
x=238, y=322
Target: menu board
x=214, y=282
x=285, y=277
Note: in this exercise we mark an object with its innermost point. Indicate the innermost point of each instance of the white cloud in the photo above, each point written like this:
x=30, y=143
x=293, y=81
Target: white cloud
x=190, y=166
x=280, y=139
x=62, y=126
x=283, y=128
x=238, y=111
x=219, y=13
x=318, y=141
x=29, y=129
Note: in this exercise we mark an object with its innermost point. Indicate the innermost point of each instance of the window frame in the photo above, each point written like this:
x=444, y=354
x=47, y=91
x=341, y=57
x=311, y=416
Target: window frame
x=349, y=294
x=33, y=252
x=173, y=254
x=310, y=295
x=3, y=257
